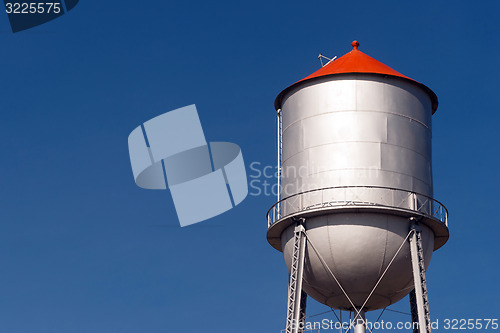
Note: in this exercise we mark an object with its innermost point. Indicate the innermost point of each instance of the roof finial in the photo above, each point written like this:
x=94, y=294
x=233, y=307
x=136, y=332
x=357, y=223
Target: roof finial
x=355, y=45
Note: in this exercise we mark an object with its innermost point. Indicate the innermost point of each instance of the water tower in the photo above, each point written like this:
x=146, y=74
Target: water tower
x=356, y=219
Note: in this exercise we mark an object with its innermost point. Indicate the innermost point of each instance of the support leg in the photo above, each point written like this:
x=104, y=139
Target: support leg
x=296, y=308
x=418, y=297
x=413, y=311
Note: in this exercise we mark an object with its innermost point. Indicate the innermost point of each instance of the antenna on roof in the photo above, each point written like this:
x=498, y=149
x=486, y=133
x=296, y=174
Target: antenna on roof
x=320, y=57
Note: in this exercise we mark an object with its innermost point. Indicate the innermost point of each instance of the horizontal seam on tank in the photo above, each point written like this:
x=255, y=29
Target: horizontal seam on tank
x=334, y=143
x=399, y=173
x=374, y=111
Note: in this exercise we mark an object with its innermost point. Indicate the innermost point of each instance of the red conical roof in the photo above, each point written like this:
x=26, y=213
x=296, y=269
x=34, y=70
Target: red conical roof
x=355, y=62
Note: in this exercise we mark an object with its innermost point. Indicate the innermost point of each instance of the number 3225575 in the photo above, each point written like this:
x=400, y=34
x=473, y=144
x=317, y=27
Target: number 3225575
x=33, y=8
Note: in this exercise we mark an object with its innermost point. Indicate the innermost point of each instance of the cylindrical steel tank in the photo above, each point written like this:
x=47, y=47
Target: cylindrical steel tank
x=356, y=163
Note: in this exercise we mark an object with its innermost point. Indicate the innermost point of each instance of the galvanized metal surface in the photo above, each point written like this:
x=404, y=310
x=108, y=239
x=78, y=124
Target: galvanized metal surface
x=357, y=248
x=360, y=131
x=356, y=159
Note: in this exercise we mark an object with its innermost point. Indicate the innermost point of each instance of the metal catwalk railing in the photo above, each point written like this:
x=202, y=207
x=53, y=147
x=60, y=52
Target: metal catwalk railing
x=358, y=196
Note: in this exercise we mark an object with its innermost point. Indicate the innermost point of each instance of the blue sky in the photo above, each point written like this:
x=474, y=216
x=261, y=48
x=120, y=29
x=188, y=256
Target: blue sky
x=83, y=249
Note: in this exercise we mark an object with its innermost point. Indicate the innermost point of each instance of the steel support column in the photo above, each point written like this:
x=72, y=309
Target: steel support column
x=419, y=303
x=296, y=307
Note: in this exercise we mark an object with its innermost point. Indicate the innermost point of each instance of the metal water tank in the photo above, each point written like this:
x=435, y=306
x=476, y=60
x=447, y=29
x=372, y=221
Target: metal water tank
x=356, y=164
